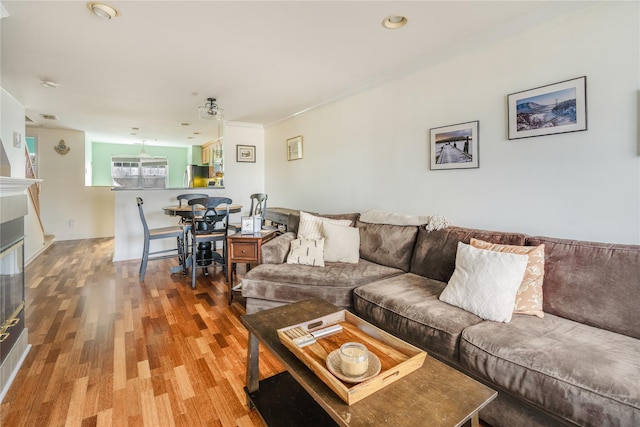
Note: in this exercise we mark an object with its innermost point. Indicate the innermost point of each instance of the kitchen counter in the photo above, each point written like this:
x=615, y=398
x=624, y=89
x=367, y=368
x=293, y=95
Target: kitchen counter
x=171, y=188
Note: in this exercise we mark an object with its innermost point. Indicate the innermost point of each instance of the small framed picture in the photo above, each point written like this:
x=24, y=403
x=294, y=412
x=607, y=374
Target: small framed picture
x=247, y=225
x=455, y=146
x=294, y=148
x=246, y=153
x=547, y=110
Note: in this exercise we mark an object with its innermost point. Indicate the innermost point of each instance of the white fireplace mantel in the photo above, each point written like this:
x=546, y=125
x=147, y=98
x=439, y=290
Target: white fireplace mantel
x=10, y=186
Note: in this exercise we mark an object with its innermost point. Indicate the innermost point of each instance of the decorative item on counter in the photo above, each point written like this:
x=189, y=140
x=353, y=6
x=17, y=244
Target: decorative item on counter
x=62, y=148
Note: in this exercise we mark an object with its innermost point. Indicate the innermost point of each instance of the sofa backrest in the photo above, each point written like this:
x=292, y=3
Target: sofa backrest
x=434, y=256
x=593, y=283
x=385, y=244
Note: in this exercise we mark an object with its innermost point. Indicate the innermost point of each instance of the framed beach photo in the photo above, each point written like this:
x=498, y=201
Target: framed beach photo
x=547, y=110
x=454, y=146
x=246, y=153
x=294, y=148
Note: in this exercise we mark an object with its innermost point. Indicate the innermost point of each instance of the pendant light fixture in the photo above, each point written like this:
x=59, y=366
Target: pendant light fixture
x=210, y=111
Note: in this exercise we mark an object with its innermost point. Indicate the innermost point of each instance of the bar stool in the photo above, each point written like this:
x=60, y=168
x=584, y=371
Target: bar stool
x=155, y=234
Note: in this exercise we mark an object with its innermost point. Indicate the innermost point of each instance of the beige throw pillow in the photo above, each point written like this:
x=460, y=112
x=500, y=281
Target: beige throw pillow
x=310, y=226
x=341, y=243
x=485, y=282
x=307, y=252
x=529, y=296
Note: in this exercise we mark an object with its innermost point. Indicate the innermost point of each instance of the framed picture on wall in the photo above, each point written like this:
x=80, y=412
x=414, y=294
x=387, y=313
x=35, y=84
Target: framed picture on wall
x=246, y=153
x=547, y=110
x=294, y=148
x=454, y=146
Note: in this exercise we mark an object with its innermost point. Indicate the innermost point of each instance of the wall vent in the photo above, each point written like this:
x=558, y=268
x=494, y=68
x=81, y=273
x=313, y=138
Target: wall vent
x=49, y=117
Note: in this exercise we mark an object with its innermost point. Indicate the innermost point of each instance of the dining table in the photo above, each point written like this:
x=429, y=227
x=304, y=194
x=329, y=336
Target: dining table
x=185, y=209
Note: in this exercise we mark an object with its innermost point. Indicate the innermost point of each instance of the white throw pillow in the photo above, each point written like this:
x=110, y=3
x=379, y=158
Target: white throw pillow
x=485, y=282
x=310, y=226
x=307, y=252
x=341, y=243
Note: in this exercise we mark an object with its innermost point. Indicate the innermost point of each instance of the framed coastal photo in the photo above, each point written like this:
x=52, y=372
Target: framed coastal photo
x=294, y=148
x=246, y=153
x=547, y=110
x=455, y=146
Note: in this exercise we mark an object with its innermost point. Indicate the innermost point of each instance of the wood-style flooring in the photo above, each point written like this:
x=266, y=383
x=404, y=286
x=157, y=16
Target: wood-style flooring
x=108, y=350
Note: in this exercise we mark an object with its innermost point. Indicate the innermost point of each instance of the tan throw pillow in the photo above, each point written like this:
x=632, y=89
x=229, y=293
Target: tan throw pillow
x=529, y=296
x=307, y=252
x=310, y=226
x=341, y=243
x=485, y=282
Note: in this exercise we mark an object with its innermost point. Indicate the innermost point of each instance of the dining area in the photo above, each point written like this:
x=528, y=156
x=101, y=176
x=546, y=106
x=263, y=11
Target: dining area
x=204, y=238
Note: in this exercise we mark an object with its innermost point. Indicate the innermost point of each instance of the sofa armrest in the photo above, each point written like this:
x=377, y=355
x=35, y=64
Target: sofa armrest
x=275, y=250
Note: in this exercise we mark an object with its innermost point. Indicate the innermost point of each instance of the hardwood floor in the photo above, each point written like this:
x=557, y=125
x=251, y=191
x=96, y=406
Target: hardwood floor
x=108, y=350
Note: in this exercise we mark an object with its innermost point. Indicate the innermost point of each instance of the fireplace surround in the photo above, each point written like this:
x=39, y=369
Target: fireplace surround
x=13, y=332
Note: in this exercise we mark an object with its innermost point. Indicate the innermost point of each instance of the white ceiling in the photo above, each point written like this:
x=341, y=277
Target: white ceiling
x=264, y=61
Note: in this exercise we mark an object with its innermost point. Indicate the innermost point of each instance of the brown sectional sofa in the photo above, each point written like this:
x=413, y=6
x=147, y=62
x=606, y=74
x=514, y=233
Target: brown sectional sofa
x=578, y=365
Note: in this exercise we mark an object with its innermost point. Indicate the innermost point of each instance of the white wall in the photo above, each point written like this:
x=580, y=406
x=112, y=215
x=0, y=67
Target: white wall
x=12, y=120
x=371, y=150
x=243, y=179
x=69, y=209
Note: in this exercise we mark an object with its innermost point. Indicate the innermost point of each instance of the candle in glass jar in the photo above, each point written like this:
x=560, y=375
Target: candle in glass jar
x=354, y=359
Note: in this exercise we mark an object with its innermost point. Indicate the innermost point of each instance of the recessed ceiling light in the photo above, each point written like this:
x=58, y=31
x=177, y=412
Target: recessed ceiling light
x=394, y=22
x=185, y=124
x=50, y=83
x=102, y=10
x=135, y=128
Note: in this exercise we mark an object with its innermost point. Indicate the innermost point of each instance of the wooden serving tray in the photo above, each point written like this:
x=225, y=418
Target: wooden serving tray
x=397, y=357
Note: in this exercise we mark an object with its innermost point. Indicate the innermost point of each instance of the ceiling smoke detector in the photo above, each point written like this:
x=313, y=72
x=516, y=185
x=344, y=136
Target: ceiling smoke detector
x=102, y=10
x=50, y=83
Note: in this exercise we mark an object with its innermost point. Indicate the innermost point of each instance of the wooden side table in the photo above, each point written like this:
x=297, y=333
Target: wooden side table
x=245, y=248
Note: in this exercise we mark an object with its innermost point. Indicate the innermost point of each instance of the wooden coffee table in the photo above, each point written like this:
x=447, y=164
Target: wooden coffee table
x=434, y=395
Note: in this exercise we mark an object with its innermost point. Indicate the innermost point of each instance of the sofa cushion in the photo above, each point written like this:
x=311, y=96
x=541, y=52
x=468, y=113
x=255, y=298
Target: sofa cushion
x=334, y=282
x=435, y=253
x=592, y=283
x=408, y=306
x=390, y=245
x=529, y=296
x=485, y=282
x=310, y=226
x=341, y=244
x=307, y=252
x=275, y=251
x=584, y=374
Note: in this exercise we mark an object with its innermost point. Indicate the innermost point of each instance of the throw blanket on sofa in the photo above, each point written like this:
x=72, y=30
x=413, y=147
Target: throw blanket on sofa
x=431, y=222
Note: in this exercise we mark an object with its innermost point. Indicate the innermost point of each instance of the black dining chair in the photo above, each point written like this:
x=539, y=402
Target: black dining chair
x=155, y=234
x=186, y=221
x=210, y=226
